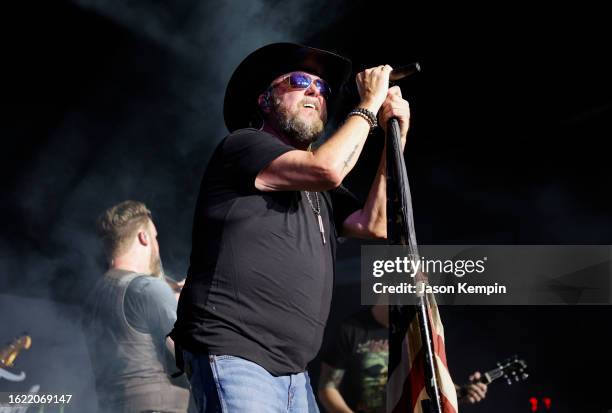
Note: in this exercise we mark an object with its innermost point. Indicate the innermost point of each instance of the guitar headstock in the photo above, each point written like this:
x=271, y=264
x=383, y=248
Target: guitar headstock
x=513, y=370
x=9, y=353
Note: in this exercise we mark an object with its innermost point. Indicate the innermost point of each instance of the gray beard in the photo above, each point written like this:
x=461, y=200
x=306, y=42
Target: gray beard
x=295, y=128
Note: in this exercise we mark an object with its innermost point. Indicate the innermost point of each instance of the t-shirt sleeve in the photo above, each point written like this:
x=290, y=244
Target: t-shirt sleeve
x=344, y=203
x=247, y=151
x=150, y=306
x=338, y=353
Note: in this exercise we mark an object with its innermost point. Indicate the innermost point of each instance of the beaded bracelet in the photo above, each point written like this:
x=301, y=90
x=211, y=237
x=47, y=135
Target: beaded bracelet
x=366, y=114
x=361, y=115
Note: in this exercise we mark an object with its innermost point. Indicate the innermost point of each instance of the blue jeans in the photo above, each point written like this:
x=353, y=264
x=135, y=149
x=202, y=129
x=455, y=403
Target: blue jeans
x=229, y=384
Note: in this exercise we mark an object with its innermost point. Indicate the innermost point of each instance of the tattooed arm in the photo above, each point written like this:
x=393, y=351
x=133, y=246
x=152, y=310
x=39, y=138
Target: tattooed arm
x=325, y=167
x=371, y=220
x=329, y=395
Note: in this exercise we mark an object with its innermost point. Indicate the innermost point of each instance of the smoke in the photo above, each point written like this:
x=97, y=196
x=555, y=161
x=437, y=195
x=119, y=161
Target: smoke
x=57, y=359
x=123, y=100
x=136, y=92
x=141, y=124
x=213, y=37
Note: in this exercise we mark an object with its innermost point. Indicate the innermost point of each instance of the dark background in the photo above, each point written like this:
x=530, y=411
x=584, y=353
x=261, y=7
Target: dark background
x=106, y=101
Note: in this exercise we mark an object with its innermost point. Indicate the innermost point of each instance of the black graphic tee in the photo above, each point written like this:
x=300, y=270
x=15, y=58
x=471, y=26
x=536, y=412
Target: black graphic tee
x=362, y=350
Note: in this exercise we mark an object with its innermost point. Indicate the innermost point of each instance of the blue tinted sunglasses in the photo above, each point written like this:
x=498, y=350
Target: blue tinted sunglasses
x=299, y=80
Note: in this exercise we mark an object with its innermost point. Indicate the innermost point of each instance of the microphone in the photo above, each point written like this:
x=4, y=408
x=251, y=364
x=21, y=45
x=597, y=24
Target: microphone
x=349, y=90
x=404, y=71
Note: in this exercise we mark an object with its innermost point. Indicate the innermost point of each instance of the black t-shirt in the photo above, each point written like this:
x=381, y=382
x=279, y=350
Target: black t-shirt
x=361, y=349
x=260, y=280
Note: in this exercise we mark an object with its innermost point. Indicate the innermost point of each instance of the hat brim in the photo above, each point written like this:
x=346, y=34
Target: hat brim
x=254, y=74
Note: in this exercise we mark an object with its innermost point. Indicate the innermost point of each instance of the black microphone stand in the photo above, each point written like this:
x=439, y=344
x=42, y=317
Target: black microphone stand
x=399, y=204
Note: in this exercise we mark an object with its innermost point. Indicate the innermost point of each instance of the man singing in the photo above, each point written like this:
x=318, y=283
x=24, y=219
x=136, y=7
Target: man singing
x=258, y=292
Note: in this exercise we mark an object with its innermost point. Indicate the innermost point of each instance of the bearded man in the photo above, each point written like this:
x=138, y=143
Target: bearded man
x=128, y=314
x=258, y=291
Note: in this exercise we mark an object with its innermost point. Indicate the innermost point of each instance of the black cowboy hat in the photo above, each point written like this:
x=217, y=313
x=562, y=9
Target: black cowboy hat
x=253, y=76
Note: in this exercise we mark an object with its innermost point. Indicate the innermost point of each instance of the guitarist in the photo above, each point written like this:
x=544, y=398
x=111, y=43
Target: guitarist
x=354, y=369
x=127, y=316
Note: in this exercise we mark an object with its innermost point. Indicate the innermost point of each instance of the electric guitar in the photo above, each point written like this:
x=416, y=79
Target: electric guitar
x=9, y=353
x=512, y=369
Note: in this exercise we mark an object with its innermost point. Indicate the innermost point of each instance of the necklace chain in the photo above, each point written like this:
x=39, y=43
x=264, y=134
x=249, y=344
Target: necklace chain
x=316, y=210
